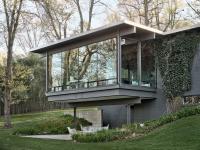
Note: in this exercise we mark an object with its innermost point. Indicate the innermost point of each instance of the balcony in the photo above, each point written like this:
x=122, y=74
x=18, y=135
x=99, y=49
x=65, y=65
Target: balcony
x=114, y=63
x=115, y=71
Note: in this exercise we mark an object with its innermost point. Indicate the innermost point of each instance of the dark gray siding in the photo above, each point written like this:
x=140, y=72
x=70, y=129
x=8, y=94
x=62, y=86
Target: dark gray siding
x=195, y=90
x=147, y=110
x=151, y=109
x=115, y=116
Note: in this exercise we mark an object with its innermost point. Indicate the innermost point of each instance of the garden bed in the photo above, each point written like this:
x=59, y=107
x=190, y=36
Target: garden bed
x=135, y=129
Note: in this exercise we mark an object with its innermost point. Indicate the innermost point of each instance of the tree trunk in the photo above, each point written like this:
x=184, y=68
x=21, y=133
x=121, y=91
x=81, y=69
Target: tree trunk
x=49, y=72
x=66, y=75
x=8, y=81
x=146, y=12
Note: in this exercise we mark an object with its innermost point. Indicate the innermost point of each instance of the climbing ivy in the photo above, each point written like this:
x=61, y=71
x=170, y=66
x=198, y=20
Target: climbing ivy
x=174, y=54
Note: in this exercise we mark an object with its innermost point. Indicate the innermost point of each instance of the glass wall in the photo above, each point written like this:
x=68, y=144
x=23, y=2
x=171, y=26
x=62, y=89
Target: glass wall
x=148, y=65
x=85, y=67
x=70, y=69
x=130, y=73
x=56, y=71
x=129, y=69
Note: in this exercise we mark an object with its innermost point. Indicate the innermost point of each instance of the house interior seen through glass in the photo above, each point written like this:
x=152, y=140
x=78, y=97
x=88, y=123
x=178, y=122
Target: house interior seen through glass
x=95, y=65
x=148, y=66
x=130, y=73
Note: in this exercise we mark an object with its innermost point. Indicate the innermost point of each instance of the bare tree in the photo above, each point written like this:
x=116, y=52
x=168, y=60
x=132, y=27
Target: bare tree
x=194, y=5
x=140, y=10
x=12, y=12
x=30, y=32
x=161, y=14
x=172, y=14
x=54, y=16
x=113, y=17
x=84, y=23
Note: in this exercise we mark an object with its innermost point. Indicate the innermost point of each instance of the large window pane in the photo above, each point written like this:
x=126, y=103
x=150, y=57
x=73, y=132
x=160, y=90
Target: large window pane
x=129, y=64
x=148, y=65
x=97, y=64
x=56, y=72
x=70, y=69
x=106, y=62
x=87, y=67
x=84, y=67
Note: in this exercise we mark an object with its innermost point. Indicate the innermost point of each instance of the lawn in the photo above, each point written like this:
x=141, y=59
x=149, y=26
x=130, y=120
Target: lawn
x=183, y=134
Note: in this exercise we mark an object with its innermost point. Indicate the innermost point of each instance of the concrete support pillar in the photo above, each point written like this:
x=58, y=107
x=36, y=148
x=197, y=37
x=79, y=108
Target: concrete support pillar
x=128, y=115
x=74, y=112
x=75, y=118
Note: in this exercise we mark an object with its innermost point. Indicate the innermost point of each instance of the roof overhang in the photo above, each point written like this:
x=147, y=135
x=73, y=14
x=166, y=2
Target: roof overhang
x=189, y=28
x=128, y=27
x=98, y=32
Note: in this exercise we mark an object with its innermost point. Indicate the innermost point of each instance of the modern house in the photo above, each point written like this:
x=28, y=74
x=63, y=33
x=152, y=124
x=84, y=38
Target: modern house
x=113, y=68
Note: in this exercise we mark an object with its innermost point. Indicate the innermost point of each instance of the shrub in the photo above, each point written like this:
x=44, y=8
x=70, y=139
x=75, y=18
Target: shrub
x=102, y=136
x=26, y=131
x=50, y=126
x=188, y=112
x=128, y=130
x=150, y=125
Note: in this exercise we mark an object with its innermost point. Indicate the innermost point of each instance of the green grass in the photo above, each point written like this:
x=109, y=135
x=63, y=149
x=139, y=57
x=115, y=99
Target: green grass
x=183, y=134
x=33, y=117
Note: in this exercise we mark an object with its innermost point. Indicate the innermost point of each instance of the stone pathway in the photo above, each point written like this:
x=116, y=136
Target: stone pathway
x=66, y=137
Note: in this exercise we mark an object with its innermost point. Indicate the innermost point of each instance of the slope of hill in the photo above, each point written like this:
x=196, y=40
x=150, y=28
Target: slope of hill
x=183, y=134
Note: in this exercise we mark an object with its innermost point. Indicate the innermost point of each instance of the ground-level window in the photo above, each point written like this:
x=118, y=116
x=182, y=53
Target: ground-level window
x=84, y=67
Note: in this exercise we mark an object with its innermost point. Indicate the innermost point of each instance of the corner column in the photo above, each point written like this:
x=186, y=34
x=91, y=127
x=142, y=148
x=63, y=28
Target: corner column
x=139, y=63
x=47, y=62
x=118, y=59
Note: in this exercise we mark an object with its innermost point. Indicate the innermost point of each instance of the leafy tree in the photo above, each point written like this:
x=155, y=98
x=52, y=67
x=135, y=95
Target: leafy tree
x=31, y=79
x=28, y=84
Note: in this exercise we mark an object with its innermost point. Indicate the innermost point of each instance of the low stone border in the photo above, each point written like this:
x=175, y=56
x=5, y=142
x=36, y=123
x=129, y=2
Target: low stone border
x=66, y=137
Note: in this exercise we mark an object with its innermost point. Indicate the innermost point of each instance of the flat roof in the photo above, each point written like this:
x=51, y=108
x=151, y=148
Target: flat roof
x=107, y=28
x=182, y=29
x=104, y=29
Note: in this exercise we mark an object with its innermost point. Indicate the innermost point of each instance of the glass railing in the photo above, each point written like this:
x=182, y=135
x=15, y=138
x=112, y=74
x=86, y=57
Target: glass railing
x=84, y=85
x=143, y=83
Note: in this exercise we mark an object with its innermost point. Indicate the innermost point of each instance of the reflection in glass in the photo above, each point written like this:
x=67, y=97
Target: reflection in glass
x=87, y=67
x=148, y=65
x=129, y=64
x=70, y=69
x=84, y=67
x=56, y=71
x=106, y=62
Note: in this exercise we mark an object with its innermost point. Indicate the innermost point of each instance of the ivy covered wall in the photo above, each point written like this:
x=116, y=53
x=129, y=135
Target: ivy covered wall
x=175, y=54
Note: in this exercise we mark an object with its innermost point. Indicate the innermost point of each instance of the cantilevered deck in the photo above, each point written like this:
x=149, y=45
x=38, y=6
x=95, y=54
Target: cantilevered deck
x=123, y=77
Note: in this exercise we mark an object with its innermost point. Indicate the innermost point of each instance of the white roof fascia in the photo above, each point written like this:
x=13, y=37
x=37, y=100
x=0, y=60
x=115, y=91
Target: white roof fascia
x=182, y=29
